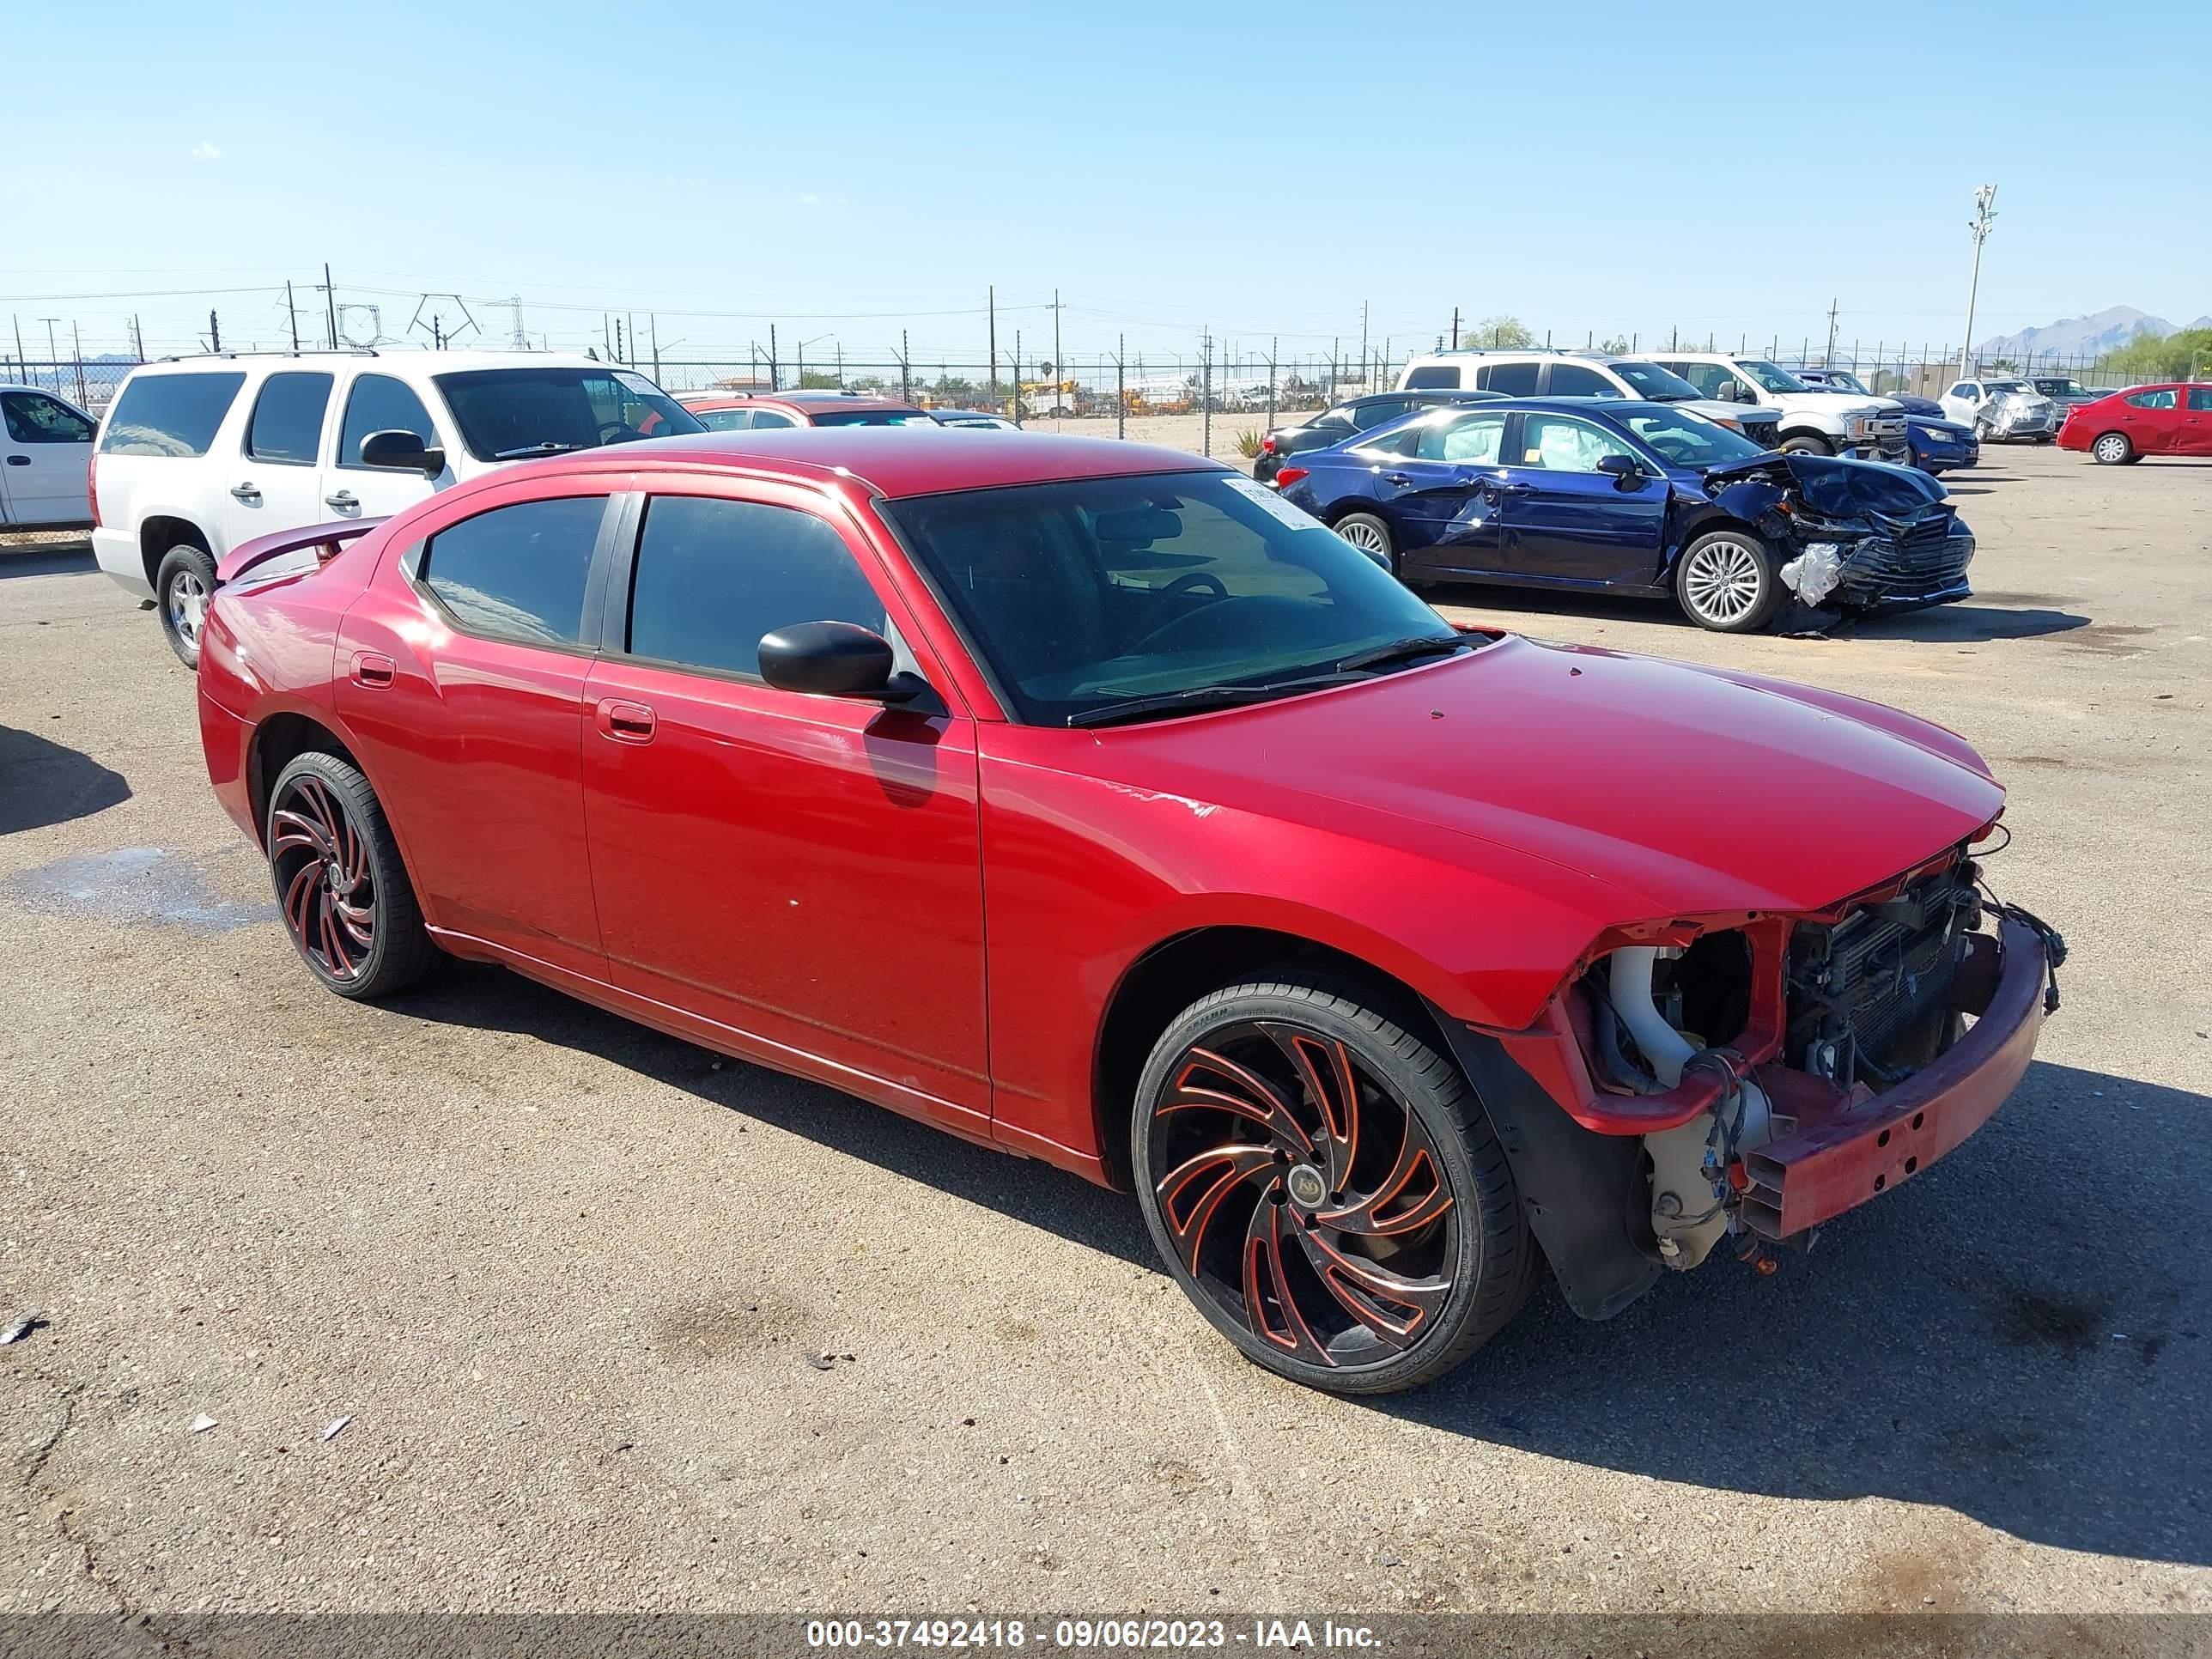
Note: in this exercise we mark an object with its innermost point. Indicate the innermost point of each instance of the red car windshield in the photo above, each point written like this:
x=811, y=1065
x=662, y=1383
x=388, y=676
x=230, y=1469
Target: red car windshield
x=1089, y=595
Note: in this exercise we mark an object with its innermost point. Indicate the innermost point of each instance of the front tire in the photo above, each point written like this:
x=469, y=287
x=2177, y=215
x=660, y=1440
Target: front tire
x=1807, y=443
x=1325, y=1186
x=1371, y=536
x=2113, y=449
x=183, y=583
x=1726, y=580
x=344, y=892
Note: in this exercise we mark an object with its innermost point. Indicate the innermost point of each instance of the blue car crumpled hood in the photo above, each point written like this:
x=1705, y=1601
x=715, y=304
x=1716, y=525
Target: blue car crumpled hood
x=1833, y=488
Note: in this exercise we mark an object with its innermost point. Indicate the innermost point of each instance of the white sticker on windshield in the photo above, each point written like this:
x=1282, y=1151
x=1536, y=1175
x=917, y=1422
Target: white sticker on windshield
x=636, y=382
x=1275, y=506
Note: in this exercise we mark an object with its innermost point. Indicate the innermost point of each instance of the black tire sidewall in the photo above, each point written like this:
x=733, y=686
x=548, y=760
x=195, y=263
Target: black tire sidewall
x=394, y=956
x=183, y=556
x=1770, y=591
x=1803, y=444
x=1456, y=1123
x=2097, y=450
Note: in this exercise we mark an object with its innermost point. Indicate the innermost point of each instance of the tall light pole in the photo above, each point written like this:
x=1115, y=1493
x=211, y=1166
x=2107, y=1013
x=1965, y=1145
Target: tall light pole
x=1984, y=216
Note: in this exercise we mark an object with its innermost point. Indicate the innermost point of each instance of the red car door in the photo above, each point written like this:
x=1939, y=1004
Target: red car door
x=804, y=870
x=461, y=673
x=2195, y=437
x=2154, y=419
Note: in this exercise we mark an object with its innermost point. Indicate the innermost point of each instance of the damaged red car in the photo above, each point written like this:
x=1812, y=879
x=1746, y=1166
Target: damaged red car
x=1090, y=801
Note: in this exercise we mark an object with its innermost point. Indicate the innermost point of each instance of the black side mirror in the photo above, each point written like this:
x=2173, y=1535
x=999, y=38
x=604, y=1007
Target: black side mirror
x=402, y=452
x=835, y=660
x=1625, y=471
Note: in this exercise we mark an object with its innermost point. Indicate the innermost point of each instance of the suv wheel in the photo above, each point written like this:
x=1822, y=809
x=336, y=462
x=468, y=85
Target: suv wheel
x=1726, y=581
x=2113, y=449
x=183, y=585
x=1807, y=443
x=1326, y=1187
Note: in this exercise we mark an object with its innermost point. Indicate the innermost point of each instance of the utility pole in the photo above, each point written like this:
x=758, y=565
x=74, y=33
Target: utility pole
x=53, y=351
x=654, y=319
x=1828, y=360
x=1120, y=384
x=991, y=305
x=1018, y=377
x=1454, y=333
x=771, y=358
x=76, y=356
x=1206, y=389
x=632, y=358
x=906, y=375
x=214, y=332
x=138, y=338
x=1058, y=368
x=1984, y=216
x=291, y=313
x=330, y=306
x=1363, y=346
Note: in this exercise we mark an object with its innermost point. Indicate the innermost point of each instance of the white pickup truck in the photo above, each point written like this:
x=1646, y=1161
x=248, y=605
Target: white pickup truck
x=1814, y=422
x=45, y=451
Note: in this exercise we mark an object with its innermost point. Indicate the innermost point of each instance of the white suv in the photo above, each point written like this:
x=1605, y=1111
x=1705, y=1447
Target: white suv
x=200, y=454
x=1814, y=421
x=1578, y=375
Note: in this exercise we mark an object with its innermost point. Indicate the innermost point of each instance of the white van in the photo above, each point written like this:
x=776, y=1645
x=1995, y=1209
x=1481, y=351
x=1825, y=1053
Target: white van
x=199, y=454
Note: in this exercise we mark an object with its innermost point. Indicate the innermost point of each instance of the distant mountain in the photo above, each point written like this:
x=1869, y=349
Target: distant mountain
x=2081, y=337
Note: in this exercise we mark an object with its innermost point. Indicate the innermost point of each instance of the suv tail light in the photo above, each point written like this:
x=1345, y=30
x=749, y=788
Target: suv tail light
x=92, y=487
x=1290, y=475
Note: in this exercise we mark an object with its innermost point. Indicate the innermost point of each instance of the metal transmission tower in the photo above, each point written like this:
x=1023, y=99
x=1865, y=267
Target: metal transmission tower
x=521, y=341
x=441, y=335
x=1984, y=216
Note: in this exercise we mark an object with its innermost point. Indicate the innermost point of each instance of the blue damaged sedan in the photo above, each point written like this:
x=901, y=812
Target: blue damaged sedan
x=1607, y=496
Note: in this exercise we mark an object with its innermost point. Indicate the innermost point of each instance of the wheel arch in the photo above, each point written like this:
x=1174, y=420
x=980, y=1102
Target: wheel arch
x=1166, y=979
x=159, y=531
x=1725, y=516
x=1801, y=429
x=279, y=739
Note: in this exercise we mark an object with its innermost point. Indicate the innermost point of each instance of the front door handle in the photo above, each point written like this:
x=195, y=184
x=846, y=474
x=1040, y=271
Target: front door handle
x=625, y=722
x=372, y=670
x=342, y=499
x=245, y=492
x=19, y=460
x=1397, y=478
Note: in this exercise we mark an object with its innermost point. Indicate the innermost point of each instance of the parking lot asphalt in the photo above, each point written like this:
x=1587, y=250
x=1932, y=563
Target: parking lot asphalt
x=567, y=1279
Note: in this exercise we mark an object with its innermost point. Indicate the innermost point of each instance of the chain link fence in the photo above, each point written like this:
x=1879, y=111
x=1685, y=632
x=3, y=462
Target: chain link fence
x=90, y=383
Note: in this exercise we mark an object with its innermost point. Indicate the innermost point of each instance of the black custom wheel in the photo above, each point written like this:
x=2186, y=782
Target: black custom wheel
x=340, y=884
x=1326, y=1187
x=183, y=585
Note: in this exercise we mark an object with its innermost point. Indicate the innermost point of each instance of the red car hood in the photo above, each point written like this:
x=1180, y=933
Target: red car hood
x=1691, y=790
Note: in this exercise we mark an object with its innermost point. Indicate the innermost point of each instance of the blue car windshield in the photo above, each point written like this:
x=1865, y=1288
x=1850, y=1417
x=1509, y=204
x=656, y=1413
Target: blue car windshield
x=1682, y=439
x=1081, y=595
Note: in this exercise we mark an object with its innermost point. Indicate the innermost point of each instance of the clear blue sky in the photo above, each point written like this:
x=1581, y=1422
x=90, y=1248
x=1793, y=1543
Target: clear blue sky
x=843, y=167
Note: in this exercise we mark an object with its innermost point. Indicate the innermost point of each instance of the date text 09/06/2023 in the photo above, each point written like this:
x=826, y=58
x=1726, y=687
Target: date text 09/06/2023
x=1139, y=1633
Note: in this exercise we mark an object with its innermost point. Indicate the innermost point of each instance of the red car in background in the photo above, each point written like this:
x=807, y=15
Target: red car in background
x=760, y=412
x=1088, y=800
x=2174, y=419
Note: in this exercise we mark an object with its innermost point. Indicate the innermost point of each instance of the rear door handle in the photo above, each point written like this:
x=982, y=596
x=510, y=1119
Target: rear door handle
x=372, y=670
x=19, y=460
x=245, y=492
x=342, y=499
x=625, y=722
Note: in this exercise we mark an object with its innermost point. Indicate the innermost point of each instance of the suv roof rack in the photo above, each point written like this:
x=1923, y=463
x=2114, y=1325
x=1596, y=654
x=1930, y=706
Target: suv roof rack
x=274, y=351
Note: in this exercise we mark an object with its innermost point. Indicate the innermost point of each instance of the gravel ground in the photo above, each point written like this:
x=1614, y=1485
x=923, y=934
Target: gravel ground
x=564, y=1276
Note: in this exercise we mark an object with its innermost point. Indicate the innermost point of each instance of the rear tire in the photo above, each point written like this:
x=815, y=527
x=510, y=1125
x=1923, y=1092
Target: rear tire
x=1807, y=443
x=2113, y=449
x=1727, y=581
x=1371, y=536
x=1386, y=1242
x=183, y=585
x=344, y=892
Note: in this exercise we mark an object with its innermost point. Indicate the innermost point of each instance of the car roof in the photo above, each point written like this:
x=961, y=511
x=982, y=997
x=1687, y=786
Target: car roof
x=428, y=362
x=808, y=400
x=897, y=461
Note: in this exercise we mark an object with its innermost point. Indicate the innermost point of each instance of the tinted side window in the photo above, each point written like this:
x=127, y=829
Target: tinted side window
x=33, y=418
x=2200, y=397
x=724, y=420
x=170, y=414
x=518, y=573
x=1580, y=380
x=287, y=418
x=768, y=417
x=1708, y=378
x=2160, y=399
x=1514, y=380
x=378, y=403
x=1382, y=409
x=1431, y=376
x=713, y=576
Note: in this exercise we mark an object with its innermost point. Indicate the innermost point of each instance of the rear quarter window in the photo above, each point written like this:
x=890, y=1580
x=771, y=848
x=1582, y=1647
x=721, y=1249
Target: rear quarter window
x=173, y=415
x=1433, y=377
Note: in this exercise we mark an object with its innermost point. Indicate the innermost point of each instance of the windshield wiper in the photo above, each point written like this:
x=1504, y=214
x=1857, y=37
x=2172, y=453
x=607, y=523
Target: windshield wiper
x=1187, y=701
x=1398, y=651
x=546, y=449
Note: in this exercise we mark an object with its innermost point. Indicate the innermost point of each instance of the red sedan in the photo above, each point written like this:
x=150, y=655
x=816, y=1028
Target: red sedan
x=763, y=411
x=1088, y=800
x=2144, y=420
